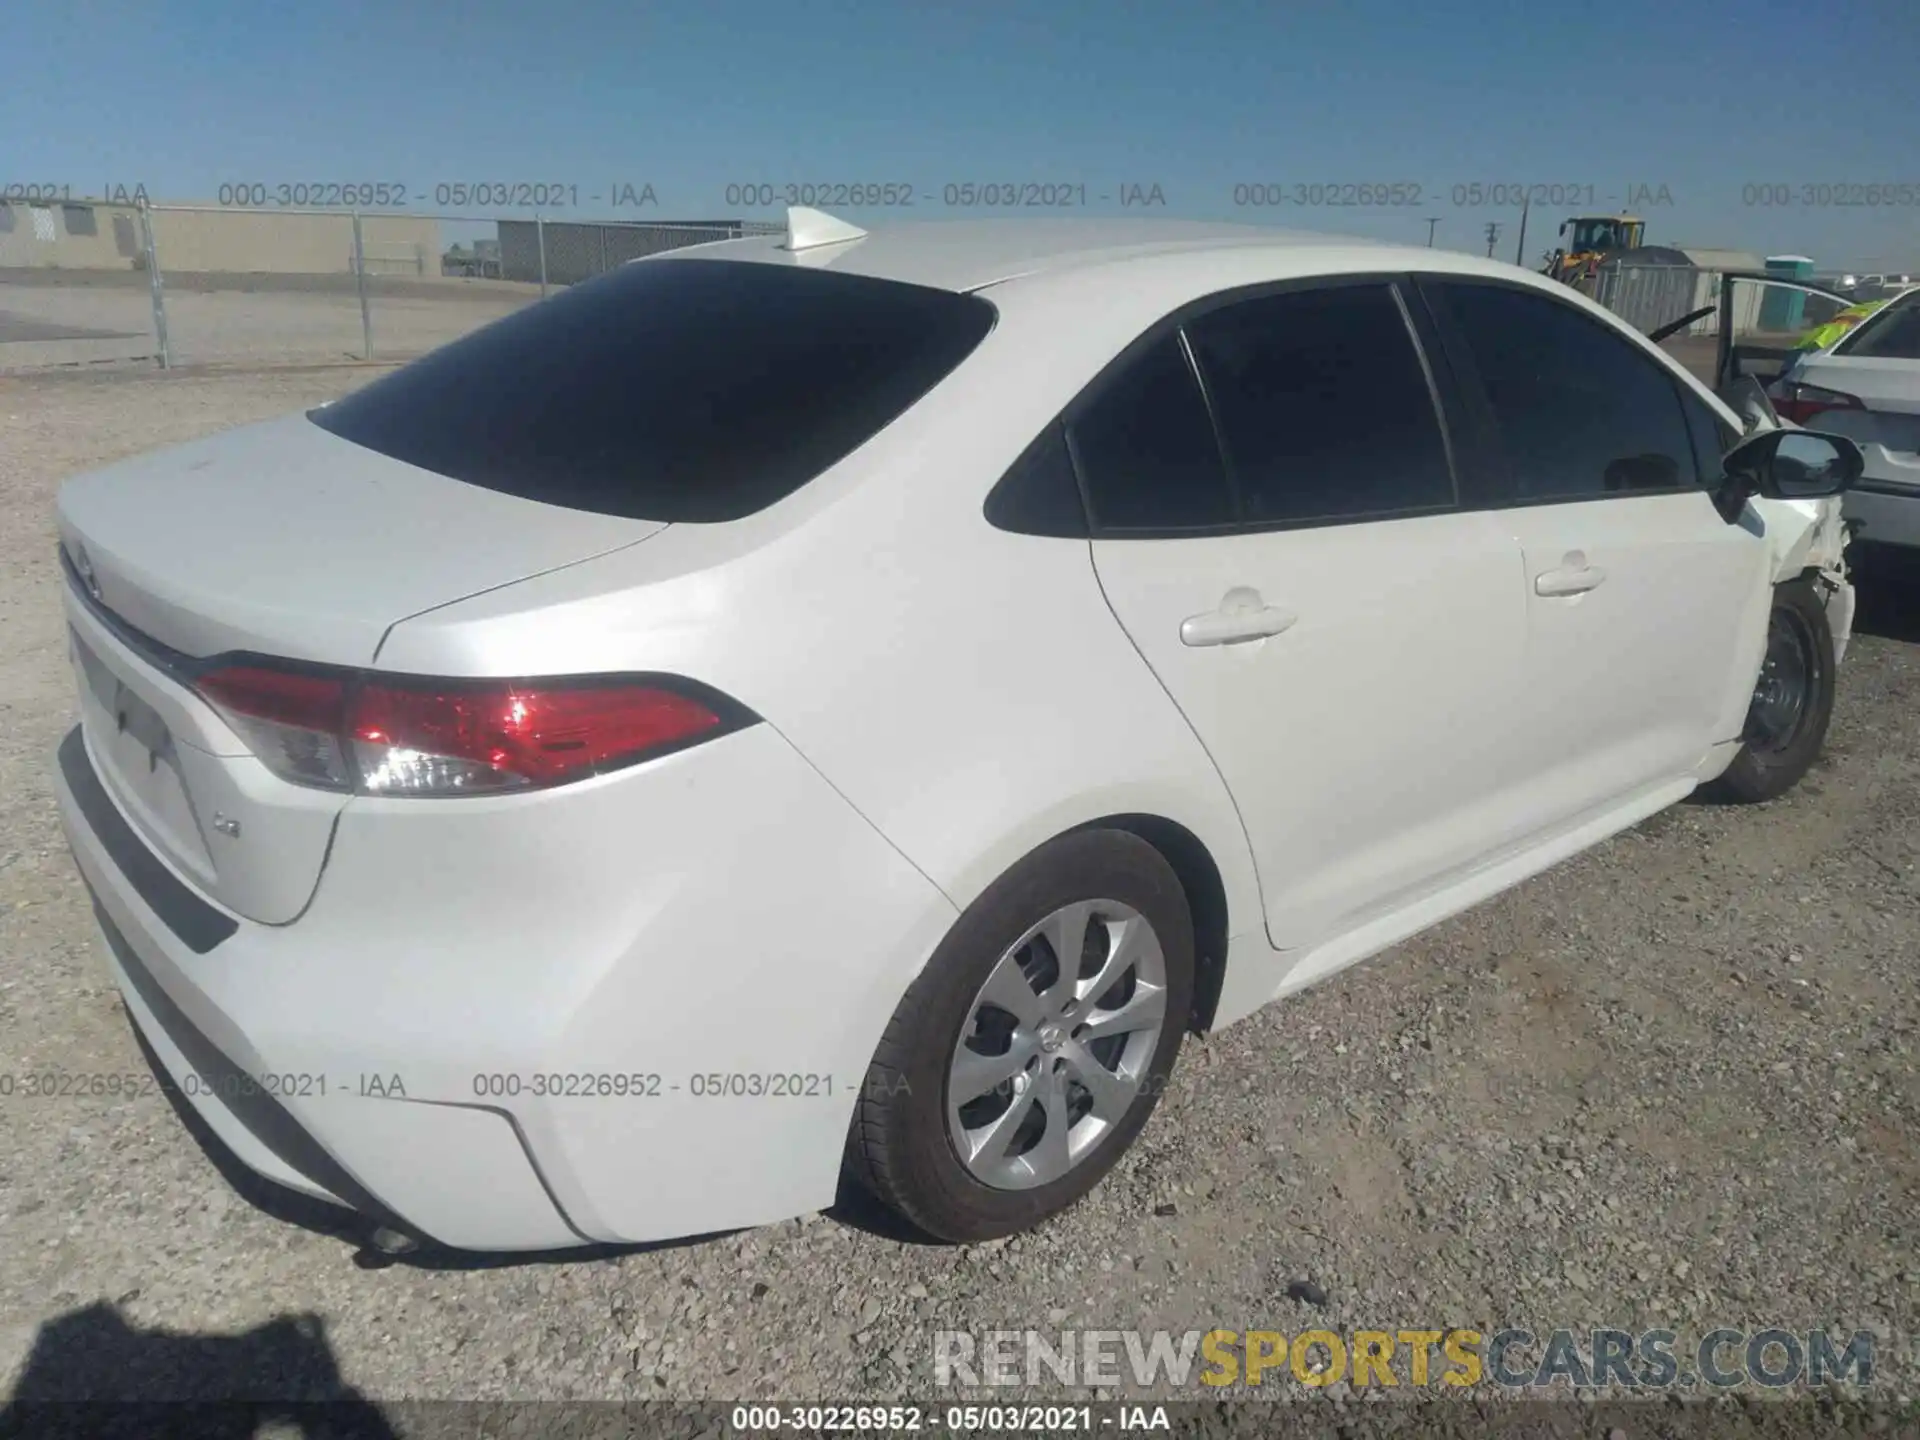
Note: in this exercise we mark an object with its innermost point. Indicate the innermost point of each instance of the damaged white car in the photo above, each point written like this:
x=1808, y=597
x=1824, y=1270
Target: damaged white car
x=842, y=706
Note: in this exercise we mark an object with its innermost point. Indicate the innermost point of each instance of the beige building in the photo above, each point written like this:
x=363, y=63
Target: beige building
x=86, y=235
x=68, y=236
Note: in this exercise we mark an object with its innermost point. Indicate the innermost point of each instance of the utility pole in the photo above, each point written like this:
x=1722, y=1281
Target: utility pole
x=1520, y=246
x=1493, y=236
x=1432, y=220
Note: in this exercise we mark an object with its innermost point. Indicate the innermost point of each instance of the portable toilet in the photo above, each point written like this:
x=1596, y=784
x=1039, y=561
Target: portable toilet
x=1784, y=310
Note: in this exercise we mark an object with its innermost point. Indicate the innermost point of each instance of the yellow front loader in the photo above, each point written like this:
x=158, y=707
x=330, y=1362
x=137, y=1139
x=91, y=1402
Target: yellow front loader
x=1587, y=241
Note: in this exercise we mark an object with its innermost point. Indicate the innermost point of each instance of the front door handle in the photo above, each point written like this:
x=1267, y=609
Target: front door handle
x=1575, y=577
x=1242, y=616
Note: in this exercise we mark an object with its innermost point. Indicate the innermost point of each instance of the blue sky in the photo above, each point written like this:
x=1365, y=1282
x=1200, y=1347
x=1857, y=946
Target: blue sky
x=1702, y=97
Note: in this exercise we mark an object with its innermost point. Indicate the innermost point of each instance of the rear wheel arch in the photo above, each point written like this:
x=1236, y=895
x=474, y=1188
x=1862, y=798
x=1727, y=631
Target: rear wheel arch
x=1206, y=890
x=1209, y=855
x=912, y=1146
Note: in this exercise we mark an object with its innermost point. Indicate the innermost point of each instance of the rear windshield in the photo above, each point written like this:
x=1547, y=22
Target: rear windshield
x=675, y=390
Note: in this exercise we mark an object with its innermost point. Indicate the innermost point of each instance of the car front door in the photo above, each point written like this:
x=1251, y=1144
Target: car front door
x=1644, y=606
x=1765, y=323
x=1278, y=528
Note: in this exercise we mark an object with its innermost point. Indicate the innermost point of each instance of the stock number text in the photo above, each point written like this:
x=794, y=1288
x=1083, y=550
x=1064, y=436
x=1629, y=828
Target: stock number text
x=315, y=194
x=1272, y=193
x=871, y=193
x=816, y=1419
x=569, y=1085
x=1842, y=194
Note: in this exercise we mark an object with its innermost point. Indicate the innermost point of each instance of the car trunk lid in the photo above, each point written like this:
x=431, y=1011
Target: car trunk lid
x=282, y=540
x=1889, y=394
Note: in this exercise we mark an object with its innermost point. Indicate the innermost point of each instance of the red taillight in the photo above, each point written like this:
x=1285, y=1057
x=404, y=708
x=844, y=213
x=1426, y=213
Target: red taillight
x=1800, y=403
x=411, y=739
x=453, y=737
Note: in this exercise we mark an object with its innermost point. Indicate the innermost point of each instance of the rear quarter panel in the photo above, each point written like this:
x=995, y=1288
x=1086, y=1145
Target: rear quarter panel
x=966, y=689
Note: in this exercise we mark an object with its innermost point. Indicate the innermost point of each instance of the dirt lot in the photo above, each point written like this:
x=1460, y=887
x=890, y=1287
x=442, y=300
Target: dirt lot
x=1673, y=1081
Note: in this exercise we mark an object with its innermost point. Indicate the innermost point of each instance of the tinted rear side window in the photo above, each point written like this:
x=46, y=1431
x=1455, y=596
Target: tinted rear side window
x=1324, y=406
x=1580, y=411
x=1892, y=336
x=1147, y=450
x=1039, y=494
x=676, y=390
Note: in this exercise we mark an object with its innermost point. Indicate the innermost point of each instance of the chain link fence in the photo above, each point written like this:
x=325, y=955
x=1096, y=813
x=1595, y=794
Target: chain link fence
x=85, y=282
x=565, y=252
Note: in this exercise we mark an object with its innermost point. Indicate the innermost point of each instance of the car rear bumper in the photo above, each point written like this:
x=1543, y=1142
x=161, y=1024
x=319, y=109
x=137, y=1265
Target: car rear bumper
x=632, y=1009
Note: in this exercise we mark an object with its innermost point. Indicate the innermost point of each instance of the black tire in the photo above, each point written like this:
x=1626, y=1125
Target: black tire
x=1782, y=740
x=899, y=1148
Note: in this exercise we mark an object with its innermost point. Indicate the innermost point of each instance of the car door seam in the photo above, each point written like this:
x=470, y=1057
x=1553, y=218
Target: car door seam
x=1234, y=800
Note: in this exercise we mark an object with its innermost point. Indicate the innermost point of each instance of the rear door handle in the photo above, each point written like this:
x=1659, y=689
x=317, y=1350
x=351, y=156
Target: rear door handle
x=1242, y=616
x=1575, y=577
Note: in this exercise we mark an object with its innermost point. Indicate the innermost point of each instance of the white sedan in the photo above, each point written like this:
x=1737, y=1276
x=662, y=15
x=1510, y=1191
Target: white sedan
x=1866, y=386
x=842, y=706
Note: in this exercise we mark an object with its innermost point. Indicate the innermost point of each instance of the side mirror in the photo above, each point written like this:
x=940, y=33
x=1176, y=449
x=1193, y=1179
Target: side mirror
x=1788, y=465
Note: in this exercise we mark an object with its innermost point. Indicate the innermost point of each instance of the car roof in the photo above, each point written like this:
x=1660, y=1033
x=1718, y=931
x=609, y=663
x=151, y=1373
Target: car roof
x=967, y=255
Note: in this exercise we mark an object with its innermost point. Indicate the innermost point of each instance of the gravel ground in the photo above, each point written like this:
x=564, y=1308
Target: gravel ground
x=1669, y=1083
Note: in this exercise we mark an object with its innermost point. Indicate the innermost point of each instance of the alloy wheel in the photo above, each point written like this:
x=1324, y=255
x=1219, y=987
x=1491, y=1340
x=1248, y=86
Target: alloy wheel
x=1056, y=1044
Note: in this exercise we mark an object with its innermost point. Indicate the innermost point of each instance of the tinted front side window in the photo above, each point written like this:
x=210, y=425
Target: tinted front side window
x=1323, y=406
x=678, y=390
x=1712, y=436
x=1580, y=411
x=1146, y=449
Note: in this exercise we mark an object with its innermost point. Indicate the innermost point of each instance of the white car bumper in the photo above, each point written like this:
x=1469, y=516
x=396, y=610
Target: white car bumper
x=630, y=1009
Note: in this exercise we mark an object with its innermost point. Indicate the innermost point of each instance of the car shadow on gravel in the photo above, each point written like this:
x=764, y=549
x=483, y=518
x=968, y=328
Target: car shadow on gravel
x=1888, y=582
x=92, y=1373
x=857, y=1210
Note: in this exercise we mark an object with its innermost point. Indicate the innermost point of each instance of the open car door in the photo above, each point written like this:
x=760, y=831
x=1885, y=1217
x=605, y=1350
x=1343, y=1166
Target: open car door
x=1762, y=321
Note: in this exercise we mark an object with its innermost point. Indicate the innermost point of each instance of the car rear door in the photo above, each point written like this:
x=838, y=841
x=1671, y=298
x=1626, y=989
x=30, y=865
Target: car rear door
x=1278, y=528
x=1645, y=608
